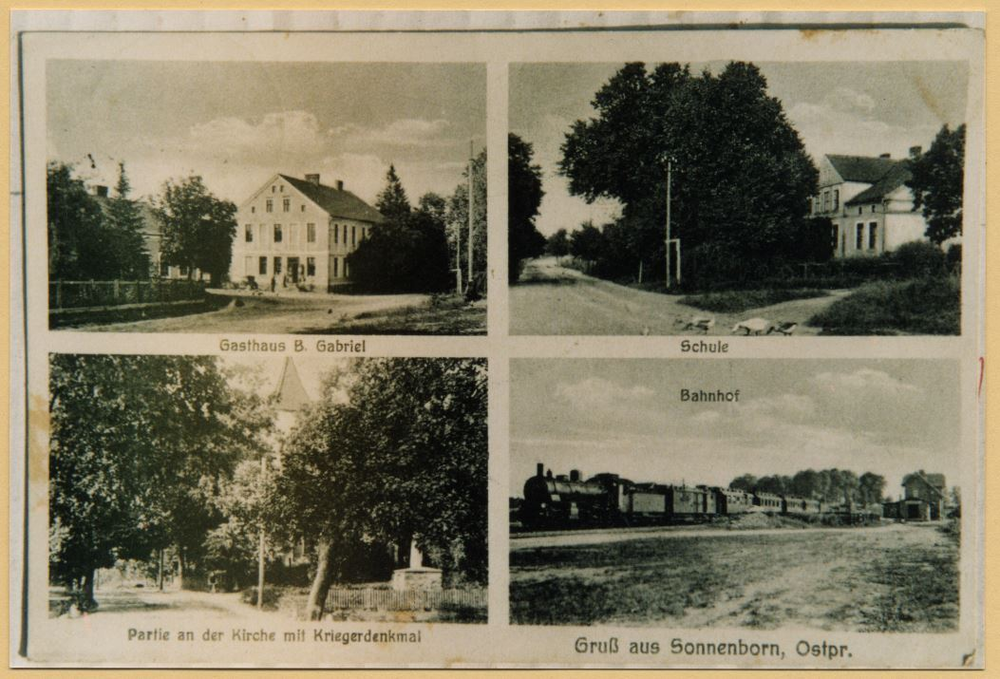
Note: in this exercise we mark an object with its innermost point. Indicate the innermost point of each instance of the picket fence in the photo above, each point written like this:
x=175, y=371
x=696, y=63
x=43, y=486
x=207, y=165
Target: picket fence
x=84, y=294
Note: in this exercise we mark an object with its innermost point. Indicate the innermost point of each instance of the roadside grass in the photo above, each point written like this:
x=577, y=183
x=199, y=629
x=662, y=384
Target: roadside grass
x=637, y=581
x=736, y=301
x=925, y=306
x=855, y=579
x=446, y=315
x=920, y=590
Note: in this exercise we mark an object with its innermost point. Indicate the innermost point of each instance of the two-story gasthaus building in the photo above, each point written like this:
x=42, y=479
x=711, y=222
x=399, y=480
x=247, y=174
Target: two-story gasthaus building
x=869, y=203
x=298, y=232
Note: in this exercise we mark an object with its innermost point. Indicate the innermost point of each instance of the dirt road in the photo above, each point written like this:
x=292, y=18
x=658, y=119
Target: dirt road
x=575, y=538
x=553, y=300
x=127, y=603
x=848, y=579
x=267, y=313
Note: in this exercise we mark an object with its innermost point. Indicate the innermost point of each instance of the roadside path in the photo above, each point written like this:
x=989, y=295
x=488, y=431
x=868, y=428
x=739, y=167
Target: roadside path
x=267, y=313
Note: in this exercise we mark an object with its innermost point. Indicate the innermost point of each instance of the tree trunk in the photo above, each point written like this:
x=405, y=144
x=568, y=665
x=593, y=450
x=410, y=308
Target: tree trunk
x=180, y=568
x=321, y=583
x=87, y=600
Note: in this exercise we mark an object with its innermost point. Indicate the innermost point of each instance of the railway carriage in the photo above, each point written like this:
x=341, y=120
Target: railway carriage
x=800, y=505
x=767, y=502
x=731, y=501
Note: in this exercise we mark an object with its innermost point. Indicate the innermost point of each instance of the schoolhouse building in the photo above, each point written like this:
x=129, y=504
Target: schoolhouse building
x=869, y=203
x=297, y=233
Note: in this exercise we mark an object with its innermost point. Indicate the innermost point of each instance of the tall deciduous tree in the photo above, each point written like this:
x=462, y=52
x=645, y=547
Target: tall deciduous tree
x=524, y=196
x=458, y=223
x=937, y=184
x=740, y=175
x=125, y=224
x=557, y=244
x=403, y=441
x=78, y=243
x=198, y=228
x=136, y=442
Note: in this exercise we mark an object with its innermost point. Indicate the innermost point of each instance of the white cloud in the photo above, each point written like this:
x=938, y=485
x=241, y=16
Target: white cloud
x=846, y=99
x=279, y=133
x=846, y=126
x=875, y=384
x=597, y=393
x=403, y=132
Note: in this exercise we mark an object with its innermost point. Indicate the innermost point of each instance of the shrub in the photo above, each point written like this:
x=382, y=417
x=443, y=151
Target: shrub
x=929, y=306
x=735, y=301
x=953, y=258
x=919, y=259
x=272, y=595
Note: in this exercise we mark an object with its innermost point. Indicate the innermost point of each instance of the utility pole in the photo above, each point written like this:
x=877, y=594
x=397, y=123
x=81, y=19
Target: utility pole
x=670, y=241
x=260, y=550
x=471, y=204
x=458, y=258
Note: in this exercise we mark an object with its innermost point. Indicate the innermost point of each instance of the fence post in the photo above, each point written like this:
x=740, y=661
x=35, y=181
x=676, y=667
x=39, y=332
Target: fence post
x=115, y=293
x=59, y=294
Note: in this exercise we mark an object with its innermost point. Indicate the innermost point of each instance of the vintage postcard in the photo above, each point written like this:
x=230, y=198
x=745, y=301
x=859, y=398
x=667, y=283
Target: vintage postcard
x=497, y=340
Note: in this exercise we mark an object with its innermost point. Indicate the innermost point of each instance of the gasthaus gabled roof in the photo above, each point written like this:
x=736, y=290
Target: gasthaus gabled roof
x=336, y=202
x=892, y=180
x=862, y=168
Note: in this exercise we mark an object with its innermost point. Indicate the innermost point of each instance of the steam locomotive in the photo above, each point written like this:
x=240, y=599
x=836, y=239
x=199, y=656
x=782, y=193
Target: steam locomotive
x=553, y=502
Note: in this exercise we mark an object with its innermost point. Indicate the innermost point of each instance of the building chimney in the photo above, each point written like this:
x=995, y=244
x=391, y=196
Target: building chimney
x=101, y=191
x=915, y=152
x=340, y=184
x=886, y=155
x=313, y=179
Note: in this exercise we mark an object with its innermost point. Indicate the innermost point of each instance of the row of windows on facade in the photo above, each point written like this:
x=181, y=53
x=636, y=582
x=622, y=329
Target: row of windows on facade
x=859, y=236
x=286, y=205
x=293, y=262
x=829, y=201
x=310, y=233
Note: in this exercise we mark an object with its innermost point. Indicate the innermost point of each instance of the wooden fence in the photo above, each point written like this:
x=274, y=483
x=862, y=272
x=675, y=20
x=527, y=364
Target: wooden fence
x=84, y=294
x=372, y=599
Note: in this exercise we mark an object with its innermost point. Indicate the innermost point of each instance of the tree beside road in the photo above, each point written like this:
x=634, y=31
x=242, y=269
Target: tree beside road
x=198, y=228
x=741, y=178
x=937, y=184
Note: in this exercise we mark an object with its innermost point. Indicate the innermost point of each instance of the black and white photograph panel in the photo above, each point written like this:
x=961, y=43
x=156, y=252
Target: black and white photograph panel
x=321, y=198
x=748, y=198
x=754, y=494
x=270, y=490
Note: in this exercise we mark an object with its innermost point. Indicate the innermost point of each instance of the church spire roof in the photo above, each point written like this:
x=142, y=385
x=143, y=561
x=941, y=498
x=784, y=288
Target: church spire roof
x=290, y=394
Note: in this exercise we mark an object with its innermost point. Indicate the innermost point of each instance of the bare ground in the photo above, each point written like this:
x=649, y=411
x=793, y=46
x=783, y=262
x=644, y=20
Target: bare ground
x=901, y=578
x=551, y=299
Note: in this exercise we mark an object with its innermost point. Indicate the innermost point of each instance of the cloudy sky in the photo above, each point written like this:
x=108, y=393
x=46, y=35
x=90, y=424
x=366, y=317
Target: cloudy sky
x=890, y=417
x=237, y=123
x=857, y=108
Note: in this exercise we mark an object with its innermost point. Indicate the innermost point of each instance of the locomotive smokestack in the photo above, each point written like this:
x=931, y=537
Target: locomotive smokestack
x=540, y=469
x=574, y=474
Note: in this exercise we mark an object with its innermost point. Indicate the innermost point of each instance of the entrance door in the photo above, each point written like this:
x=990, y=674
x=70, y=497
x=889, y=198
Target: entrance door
x=293, y=269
